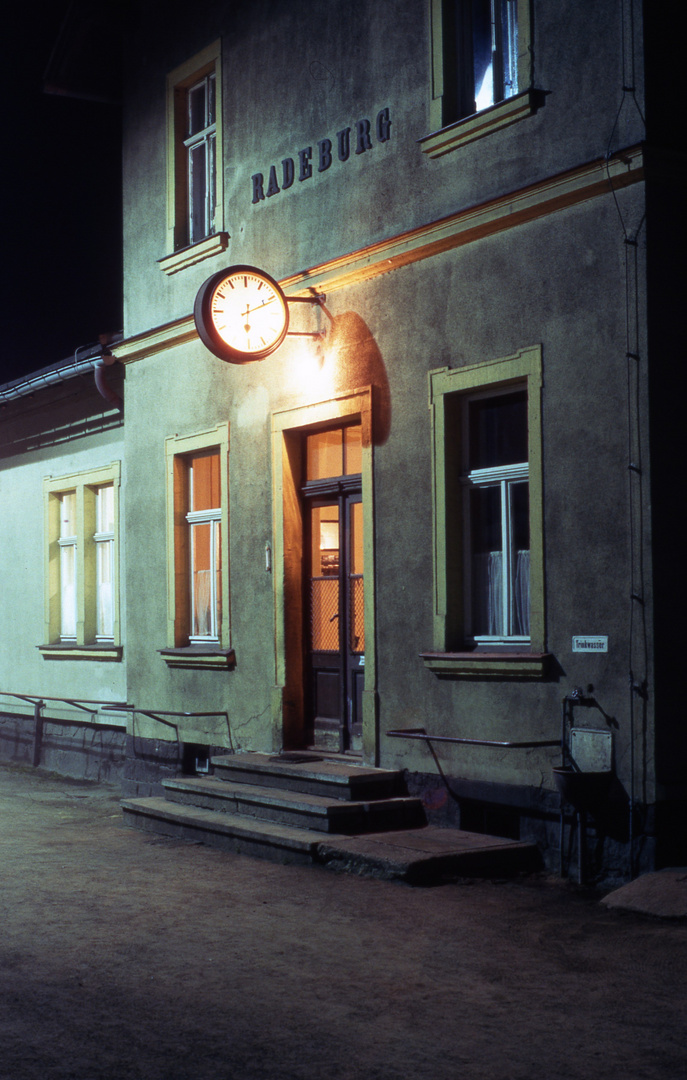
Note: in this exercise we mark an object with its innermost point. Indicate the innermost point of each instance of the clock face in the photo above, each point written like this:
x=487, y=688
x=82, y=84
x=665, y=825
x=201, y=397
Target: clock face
x=241, y=314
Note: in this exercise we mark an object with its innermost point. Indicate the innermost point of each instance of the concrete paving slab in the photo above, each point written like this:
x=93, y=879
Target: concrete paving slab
x=423, y=855
x=662, y=893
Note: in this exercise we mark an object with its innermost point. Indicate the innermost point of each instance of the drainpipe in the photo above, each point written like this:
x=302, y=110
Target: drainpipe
x=104, y=389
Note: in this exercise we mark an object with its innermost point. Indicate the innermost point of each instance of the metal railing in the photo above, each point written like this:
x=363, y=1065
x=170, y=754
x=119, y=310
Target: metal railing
x=509, y=744
x=38, y=701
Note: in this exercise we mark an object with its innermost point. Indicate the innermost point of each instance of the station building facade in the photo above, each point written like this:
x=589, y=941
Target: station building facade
x=420, y=531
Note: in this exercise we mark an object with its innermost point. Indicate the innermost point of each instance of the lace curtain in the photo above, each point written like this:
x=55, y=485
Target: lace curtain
x=487, y=585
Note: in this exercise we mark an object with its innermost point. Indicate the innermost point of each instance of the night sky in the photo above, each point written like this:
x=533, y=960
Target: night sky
x=61, y=196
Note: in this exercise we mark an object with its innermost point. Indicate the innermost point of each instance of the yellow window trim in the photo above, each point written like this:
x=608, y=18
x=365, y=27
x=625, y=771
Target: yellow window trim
x=178, y=82
x=444, y=383
x=476, y=127
x=83, y=483
x=188, y=256
x=178, y=447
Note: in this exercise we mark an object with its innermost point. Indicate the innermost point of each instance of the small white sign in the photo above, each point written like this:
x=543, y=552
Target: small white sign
x=362, y=661
x=588, y=643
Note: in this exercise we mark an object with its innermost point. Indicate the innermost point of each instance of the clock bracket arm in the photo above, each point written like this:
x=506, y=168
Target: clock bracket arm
x=314, y=298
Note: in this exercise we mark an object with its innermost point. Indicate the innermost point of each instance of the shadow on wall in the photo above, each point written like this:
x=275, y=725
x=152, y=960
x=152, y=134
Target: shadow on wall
x=356, y=362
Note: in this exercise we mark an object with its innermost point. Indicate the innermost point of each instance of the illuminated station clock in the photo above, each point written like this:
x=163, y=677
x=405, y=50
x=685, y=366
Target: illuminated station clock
x=241, y=314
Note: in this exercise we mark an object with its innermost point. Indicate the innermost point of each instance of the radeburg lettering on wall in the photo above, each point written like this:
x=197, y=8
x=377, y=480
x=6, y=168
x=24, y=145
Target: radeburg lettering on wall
x=360, y=138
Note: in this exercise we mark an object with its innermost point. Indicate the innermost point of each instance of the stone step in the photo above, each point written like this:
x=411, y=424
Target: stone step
x=296, y=808
x=228, y=832
x=418, y=856
x=310, y=774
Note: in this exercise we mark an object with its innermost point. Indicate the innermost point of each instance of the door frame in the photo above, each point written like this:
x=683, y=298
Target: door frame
x=288, y=428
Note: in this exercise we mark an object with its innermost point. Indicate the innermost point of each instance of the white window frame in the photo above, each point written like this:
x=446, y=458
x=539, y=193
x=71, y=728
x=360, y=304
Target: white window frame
x=503, y=477
x=451, y=131
x=205, y=140
x=179, y=449
x=104, y=540
x=76, y=632
x=451, y=653
x=181, y=250
x=204, y=517
x=68, y=545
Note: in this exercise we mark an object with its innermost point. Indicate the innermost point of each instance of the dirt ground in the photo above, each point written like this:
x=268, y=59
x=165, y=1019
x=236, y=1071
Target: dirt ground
x=128, y=957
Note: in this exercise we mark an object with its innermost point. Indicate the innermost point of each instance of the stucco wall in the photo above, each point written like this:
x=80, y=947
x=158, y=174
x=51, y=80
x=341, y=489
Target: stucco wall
x=297, y=72
x=62, y=431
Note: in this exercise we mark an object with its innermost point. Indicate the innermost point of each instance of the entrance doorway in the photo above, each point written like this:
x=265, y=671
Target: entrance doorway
x=334, y=588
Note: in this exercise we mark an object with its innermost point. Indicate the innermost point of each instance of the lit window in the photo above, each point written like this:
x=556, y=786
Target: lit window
x=481, y=60
x=480, y=55
x=68, y=547
x=82, y=607
x=205, y=548
x=104, y=539
x=198, y=539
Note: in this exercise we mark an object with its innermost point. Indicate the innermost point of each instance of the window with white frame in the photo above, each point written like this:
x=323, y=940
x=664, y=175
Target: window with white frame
x=104, y=539
x=67, y=544
x=480, y=55
x=488, y=595
x=194, y=155
x=481, y=70
x=204, y=519
x=494, y=485
x=200, y=143
x=198, y=542
x=81, y=573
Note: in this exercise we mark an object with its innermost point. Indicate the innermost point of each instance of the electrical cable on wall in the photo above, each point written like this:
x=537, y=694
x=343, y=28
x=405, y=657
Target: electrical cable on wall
x=638, y=651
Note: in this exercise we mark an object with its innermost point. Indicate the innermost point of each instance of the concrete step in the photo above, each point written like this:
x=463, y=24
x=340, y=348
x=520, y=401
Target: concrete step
x=296, y=808
x=418, y=856
x=311, y=775
x=228, y=832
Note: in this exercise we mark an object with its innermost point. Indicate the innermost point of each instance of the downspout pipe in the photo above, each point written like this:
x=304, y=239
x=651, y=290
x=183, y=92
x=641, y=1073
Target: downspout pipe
x=100, y=367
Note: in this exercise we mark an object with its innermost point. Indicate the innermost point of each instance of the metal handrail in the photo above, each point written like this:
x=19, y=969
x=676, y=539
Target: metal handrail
x=160, y=714
x=78, y=703
x=38, y=702
x=509, y=744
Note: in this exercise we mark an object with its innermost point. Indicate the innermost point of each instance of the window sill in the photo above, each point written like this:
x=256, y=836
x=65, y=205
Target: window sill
x=200, y=657
x=58, y=651
x=480, y=124
x=487, y=665
x=195, y=253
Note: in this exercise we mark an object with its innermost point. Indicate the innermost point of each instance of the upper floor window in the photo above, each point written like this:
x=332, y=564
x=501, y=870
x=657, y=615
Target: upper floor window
x=194, y=156
x=201, y=143
x=481, y=70
x=480, y=55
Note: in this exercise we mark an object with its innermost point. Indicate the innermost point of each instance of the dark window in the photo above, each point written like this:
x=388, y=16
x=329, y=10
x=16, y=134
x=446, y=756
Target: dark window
x=495, y=486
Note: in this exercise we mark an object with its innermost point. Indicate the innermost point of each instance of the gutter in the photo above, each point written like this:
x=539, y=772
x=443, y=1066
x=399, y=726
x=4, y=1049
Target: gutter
x=98, y=361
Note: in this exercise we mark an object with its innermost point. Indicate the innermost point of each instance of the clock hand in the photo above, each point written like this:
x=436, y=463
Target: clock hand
x=258, y=307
